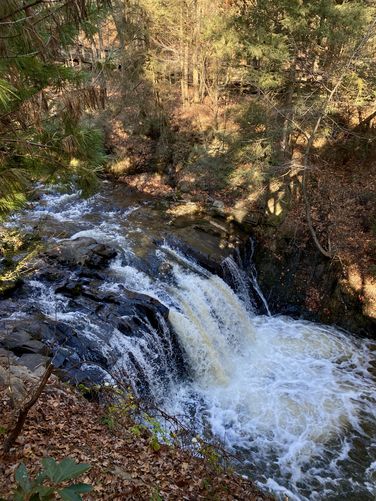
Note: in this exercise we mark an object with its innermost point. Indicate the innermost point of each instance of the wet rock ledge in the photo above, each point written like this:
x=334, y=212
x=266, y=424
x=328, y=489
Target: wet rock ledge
x=76, y=270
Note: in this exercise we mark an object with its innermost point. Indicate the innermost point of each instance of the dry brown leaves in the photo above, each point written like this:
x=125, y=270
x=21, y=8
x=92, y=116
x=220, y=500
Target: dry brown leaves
x=124, y=467
x=150, y=183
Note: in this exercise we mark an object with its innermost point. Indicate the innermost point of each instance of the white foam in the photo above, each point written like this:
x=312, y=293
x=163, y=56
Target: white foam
x=280, y=388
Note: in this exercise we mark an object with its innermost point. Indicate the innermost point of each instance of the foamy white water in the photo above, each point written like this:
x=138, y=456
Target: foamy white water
x=283, y=391
x=294, y=399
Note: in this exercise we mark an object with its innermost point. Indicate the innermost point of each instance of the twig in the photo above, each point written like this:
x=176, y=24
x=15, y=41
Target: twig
x=24, y=411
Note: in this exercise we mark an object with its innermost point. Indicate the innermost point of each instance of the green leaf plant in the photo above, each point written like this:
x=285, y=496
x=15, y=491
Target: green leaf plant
x=49, y=482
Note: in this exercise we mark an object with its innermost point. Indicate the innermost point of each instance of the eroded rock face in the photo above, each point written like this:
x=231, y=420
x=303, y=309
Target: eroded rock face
x=300, y=282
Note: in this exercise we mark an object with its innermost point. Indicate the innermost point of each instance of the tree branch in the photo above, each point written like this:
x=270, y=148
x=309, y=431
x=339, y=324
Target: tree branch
x=24, y=411
x=20, y=9
x=364, y=40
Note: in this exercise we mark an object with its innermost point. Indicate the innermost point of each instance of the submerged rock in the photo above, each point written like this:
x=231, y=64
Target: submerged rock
x=71, y=288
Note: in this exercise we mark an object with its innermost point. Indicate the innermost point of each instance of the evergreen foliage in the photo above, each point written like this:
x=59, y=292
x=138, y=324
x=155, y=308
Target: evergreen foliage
x=297, y=50
x=278, y=60
x=51, y=480
x=44, y=133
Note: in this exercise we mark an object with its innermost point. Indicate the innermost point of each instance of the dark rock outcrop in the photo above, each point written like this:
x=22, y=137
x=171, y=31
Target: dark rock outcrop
x=300, y=282
x=74, y=272
x=84, y=251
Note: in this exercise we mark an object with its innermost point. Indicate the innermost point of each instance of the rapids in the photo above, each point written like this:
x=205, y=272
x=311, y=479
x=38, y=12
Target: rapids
x=295, y=400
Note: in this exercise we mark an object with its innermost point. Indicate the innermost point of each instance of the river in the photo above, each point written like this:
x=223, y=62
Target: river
x=295, y=399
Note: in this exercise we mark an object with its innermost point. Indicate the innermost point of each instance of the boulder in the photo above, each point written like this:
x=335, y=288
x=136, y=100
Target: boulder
x=185, y=186
x=33, y=361
x=35, y=346
x=71, y=288
x=15, y=385
x=83, y=251
x=218, y=204
x=14, y=377
x=20, y=342
x=15, y=340
x=5, y=356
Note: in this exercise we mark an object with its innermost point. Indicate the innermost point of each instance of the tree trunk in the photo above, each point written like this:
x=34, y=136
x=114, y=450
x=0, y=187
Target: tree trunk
x=184, y=59
x=24, y=411
x=195, y=53
x=102, y=54
x=286, y=147
x=202, y=89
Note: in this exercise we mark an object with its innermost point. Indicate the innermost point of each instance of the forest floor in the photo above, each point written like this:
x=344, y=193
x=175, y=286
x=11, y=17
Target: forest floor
x=124, y=466
x=343, y=209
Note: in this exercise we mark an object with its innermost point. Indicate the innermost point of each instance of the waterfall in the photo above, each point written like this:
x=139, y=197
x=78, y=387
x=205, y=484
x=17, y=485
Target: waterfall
x=295, y=400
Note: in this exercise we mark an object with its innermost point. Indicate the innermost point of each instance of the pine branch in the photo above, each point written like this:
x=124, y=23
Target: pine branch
x=23, y=141
x=23, y=8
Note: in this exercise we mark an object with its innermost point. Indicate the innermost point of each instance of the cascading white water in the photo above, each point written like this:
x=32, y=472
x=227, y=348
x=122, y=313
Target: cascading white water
x=284, y=391
x=294, y=399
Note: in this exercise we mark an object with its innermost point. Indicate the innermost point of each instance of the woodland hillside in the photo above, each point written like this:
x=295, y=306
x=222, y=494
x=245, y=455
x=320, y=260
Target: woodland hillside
x=257, y=117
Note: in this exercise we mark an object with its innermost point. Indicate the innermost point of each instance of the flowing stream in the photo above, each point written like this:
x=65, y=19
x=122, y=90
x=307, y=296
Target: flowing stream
x=295, y=399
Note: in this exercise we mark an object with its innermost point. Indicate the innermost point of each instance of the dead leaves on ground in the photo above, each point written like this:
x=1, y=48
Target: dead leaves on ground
x=124, y=467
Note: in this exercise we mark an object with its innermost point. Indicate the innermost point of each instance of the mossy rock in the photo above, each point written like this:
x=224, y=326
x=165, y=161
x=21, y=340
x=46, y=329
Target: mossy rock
x=8, y=287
